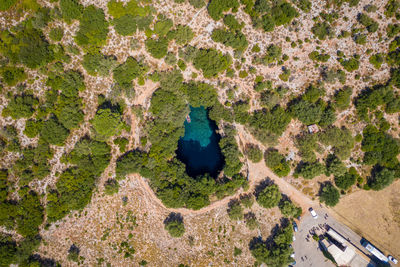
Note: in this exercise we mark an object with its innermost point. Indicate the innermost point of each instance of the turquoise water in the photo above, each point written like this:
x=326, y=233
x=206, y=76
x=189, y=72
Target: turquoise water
x=199, y=148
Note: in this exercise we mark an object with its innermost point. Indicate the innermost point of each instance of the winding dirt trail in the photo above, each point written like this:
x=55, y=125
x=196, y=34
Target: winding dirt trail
x=257, y=173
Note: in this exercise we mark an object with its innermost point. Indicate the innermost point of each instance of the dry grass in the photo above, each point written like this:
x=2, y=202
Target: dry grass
x=376, y=215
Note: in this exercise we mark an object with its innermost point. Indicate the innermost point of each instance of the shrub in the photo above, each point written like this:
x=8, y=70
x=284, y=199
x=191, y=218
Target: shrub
x=236, y=40
x=376, y=60
x=197, y=3
x=350, y=65
x=75, y=185
x=392, y=30
x=232, y=22
x=182, y=34
x=32, y=128
x=329, y=195
x=247, y=200
x=391, y=8
x=251, y=220
x=269, y=197
x=322, y=30
x=370, y=24
x=27, y=46
x=340, y=139
x=273, y=54
x=111, y=187
x=162, y=27
x=235, y=211
x=130, y=162
x=315, y=56
x=174, y=225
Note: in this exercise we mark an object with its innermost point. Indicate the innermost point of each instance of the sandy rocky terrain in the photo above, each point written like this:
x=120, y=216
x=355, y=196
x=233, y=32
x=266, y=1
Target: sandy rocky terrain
x=210, y=236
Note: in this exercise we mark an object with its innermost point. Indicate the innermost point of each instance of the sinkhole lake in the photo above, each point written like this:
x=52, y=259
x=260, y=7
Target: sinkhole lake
x=199, y=148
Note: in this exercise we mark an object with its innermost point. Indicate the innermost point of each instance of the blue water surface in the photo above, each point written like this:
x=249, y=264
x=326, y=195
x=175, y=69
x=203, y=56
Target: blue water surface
x=199, y=148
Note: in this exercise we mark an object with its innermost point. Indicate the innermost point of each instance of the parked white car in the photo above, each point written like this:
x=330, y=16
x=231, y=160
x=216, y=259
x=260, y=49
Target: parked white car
x=394, y=260
x=313, y=213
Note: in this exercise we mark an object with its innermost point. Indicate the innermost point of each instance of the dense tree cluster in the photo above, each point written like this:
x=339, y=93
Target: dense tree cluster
x=267, y=14
x=75, y=185
x=167, y=175
x=276, y=252
x=27, y=45
x=237, y=40
x=217, y=7
x=311, y=109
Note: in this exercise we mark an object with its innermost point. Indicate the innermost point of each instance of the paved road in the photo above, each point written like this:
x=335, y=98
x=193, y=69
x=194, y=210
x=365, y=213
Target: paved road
x=308, y=252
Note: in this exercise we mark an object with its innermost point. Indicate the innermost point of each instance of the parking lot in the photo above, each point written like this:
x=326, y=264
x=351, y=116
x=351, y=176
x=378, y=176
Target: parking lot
x=307, y=250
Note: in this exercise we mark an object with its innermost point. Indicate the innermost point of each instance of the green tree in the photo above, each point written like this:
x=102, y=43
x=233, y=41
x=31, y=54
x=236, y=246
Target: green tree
x=98, y=64
x=288, y=209
x=107, y=123
x=253, y=152
x=21, y=106
x=217, y=7
x=309, y=170
x=157, y=48
x=276, y=162
x=329, y=195
x=125, y=25
x=126, y=72
x=71, y=9
x=174, y=225
x=53, y=132
x=335, y=166
x=382, y=179
x=211, y=62
x=347, y=180
x=12, y=75
x=269, y=197
x=93, y=29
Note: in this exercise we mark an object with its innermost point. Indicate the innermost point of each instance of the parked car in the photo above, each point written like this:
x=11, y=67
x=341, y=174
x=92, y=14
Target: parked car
x=394, y=260
x=313, y=213
x=295, y=226
x=292, y=264
x=293, y=255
